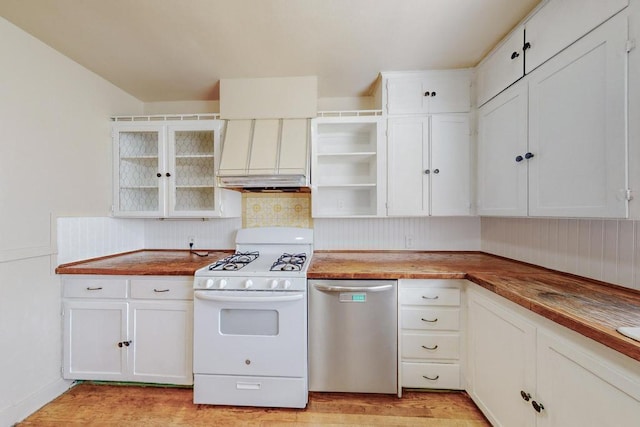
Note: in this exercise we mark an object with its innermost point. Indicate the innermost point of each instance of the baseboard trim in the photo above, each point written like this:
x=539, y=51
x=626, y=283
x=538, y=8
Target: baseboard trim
x=22, y=409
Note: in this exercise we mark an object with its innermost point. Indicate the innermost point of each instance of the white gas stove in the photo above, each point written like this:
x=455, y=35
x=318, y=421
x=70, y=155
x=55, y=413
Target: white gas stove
x=250, y=321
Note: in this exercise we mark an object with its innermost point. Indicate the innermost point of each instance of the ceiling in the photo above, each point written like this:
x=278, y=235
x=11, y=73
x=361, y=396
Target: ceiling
x=178, y=50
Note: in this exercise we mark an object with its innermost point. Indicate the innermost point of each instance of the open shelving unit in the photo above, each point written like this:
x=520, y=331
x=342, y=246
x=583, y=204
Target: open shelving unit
x=347, y=171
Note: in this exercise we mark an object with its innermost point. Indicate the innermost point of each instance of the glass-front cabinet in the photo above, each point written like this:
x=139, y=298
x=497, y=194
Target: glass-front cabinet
x=167, y=169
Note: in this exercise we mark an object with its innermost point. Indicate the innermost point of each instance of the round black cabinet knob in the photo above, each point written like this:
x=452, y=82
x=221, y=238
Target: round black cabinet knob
x=168, y=174
x=526, y=396
x=427, y=172
x=526, y=46
x=514, y=55
x=537, y=406
x=436, y=171
x=433, y=94
x=519, y=159
x=427, y=93
x=528, y=156
x=158, y=174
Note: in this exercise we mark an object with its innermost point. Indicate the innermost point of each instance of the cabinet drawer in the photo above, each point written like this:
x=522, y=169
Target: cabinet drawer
x=430, y=346
x=431, y=319
x=94, y=288
x=431, y=375
x=430, y=296
x=159, y=288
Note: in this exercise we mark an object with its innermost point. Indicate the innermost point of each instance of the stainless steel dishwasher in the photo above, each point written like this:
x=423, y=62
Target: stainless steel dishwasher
x=353, y=336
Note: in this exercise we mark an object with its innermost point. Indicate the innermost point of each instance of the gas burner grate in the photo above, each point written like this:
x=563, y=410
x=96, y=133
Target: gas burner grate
x=289, y=262
x=235, y=261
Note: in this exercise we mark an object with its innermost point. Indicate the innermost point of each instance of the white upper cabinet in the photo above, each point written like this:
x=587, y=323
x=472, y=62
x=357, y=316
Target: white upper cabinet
x=556, y=25
x=502, y=145
x=577, y=128
x=427, y=92
x=167, y=169
x=561, y=22
x=502, y=68
x=428, y=165
x=347, y=173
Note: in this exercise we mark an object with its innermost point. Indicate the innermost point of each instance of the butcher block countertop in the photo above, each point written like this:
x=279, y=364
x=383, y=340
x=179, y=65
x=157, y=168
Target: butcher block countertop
x=146, y=263
x=591, y=308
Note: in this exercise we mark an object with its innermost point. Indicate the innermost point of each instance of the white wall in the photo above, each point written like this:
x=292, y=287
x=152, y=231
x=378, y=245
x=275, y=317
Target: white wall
x=607, y=250
x=55, y=160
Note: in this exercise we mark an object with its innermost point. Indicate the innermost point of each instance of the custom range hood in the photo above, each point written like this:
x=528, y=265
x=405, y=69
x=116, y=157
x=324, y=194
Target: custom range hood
x=266, y=142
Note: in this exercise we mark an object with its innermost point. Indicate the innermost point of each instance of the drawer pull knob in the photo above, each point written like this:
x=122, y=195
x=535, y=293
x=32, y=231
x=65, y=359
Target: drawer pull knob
x=160, y=290
x=537, y=406
x=89, y=288
x=426, y=377
x=435, y=347
x=525, y=396
x=426, y=297
x=429, y=320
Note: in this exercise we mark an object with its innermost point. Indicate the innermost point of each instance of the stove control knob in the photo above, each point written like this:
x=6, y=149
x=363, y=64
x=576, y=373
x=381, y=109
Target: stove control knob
x=222, y=284
x=248, y=283
x=286, y=284
x=273, y=284
x=208, y=284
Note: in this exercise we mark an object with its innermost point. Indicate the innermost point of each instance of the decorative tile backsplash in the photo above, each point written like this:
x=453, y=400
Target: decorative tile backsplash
x=276, y=210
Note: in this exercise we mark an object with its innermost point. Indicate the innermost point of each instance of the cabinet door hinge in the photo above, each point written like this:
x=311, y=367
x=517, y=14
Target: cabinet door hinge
x=630, y=45
x=628, y=195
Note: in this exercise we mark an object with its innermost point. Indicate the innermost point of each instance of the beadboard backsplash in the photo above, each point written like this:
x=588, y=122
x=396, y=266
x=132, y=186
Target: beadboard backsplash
x=607, y=250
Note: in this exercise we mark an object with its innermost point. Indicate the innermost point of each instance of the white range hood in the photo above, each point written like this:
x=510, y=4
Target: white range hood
x=267, y=135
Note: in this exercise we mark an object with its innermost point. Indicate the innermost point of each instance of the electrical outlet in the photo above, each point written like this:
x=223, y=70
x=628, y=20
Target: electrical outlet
x=192, y=241
x=408, y=241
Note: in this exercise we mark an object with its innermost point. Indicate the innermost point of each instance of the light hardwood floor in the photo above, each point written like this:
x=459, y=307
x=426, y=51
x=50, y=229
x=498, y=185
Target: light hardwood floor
x=124, y=405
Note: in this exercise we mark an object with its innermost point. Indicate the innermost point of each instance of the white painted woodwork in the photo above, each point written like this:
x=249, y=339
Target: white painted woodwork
x=238, y=134
x=577, y=381
x=501, y=357
x=612, y=254
x=92, y=331
x=162, y=336
x=429, y=165
x=502, y=136
x=429, y=332
x=264, y=147
x=348, y=167
x=427, y=92
x=561, y=22
x=577, y=128
x=269, y=97
x=407, y=162
x=186, y=186
x=156, y=321
x=450, y=165
x=503, y=67
x=294, y=146
x=578, y=389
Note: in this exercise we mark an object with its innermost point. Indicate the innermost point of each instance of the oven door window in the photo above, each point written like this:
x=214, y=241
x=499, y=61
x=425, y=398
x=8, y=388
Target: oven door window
x=249, y=322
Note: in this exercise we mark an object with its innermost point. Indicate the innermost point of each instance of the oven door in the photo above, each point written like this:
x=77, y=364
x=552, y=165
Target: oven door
x=258, y=333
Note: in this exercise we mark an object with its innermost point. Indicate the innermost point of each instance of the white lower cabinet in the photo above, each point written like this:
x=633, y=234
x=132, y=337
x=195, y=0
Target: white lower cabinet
x=128, y=329
x=524, y=370
x=430, y=337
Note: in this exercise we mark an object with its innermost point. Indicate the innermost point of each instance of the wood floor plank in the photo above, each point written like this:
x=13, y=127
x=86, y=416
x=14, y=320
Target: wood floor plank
x=90, y=404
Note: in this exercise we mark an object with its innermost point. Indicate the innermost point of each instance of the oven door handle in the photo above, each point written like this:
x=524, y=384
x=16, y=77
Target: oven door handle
x=327, y=288
x=223, y=298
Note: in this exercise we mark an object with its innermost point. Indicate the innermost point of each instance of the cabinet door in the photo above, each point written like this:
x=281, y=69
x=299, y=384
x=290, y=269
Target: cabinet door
x=577, y=122
x=92, y=331
x=408, y=160
x=501, y=362
x=140, y=170
x=502, y=137
x=579, y=389
x=502, y=67
x=450, y=91
x=406, y=95
x=161, y=347
x=450, y=165
x=561, y=22
x=192, y=157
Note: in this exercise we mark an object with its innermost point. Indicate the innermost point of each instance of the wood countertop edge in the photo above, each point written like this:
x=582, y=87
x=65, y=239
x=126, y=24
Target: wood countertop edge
x=604, y=335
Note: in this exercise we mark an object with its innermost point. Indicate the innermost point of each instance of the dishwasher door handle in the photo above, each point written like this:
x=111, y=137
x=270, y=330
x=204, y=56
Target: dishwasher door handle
x=329, y=288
